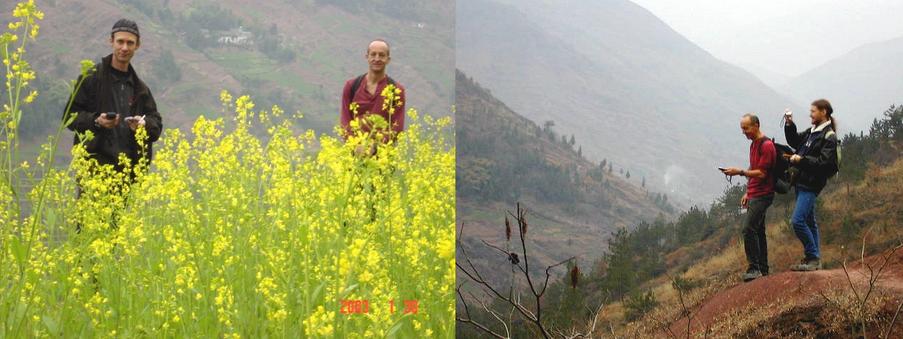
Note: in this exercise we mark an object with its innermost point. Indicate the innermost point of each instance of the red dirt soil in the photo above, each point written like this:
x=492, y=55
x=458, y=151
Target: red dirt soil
x=797, y=288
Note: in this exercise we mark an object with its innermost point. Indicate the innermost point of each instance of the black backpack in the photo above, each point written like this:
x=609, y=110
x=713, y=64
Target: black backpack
x=783, y=177
x=835, y=166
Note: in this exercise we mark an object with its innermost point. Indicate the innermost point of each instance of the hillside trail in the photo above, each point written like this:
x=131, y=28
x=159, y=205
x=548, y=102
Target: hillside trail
x=795, y=288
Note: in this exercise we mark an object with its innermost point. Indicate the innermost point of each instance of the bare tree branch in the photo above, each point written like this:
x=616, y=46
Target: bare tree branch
x=890, y=328
x=466, y=265
x=469, y=320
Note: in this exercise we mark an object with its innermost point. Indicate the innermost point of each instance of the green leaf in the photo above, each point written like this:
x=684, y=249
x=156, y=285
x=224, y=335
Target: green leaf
x=348, y=290
x=318, y=293
x=52, y=326
x=18, y=250
x=395, y=328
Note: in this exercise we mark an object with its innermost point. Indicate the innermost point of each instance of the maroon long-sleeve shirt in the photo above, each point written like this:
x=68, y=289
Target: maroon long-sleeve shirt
x=761, y=157
x=371, y=104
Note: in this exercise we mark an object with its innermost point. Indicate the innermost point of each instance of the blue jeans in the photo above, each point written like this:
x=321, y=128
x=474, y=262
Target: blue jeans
x=803, y=221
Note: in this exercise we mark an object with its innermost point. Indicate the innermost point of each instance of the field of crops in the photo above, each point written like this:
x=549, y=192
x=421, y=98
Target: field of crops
x=244, y=227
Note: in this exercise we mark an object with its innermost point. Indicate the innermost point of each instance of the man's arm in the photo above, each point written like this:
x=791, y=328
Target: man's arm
x=765, y=161
x=153, y=121
x=793, y=138
x=345, y=110
x=751, y=173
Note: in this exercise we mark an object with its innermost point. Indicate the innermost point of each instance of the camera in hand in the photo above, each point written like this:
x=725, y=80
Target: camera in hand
x=110, y=115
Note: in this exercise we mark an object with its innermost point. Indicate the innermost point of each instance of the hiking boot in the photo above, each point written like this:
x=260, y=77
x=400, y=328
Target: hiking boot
x=807, y=265
x=751, y=274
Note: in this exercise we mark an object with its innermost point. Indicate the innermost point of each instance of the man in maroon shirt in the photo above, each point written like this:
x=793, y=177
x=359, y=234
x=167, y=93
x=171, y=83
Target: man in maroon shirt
x=759, y=195
x=366, y=92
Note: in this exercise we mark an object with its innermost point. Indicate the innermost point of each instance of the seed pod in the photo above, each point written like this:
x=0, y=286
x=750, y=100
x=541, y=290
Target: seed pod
x=523, y=225
x=575, y=274
x=507, y=228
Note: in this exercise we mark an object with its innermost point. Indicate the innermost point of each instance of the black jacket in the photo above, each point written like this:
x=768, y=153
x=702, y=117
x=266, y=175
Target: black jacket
x=95, y=96
x=819, y=160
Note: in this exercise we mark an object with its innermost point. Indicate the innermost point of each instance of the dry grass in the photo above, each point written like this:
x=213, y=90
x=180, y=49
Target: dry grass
x=873, y=204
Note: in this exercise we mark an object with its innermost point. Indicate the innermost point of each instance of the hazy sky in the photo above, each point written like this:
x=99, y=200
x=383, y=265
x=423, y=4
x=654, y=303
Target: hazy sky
x=777, y=39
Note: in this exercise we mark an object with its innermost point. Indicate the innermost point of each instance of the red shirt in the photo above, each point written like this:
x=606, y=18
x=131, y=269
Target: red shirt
x=761, y=157
x=371, y=104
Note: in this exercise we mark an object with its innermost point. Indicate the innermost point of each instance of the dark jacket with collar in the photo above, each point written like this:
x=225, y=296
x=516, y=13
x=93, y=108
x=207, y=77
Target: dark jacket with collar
x=95, y=96
x=819, y=157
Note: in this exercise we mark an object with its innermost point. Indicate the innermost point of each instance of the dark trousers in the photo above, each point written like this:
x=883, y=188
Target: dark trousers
x=754, y=233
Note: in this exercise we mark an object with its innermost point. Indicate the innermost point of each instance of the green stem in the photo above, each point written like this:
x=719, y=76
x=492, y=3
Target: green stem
x=40, y=201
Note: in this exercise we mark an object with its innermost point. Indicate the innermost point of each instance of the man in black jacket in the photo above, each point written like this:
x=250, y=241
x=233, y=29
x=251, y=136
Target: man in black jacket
x=815, y=161
x=113, y=103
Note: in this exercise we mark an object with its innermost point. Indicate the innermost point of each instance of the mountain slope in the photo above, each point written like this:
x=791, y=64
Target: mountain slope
x=793, y=303
x=630, y=88
x=299, y=57
x=655, y=276
x=504, y=158
x=858, y=84
x=857, y=218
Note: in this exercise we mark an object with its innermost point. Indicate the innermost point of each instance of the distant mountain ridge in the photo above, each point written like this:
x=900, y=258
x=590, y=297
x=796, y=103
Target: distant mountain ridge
x=295, y=54
x=859, y=84
x=629, y=87
x=504, y=159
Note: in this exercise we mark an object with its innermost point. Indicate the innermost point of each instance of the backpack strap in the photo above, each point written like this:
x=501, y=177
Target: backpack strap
x=357, y=84
x=762, y=143
x=838, y=149
x=777, y=154
x=354, y=86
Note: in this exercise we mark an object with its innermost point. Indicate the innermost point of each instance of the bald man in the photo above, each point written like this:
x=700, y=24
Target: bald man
x=366, y=92
x=759, y=195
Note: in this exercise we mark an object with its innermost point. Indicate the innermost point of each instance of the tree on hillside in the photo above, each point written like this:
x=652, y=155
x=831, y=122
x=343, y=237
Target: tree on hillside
x=166, y=68
x=547, y=126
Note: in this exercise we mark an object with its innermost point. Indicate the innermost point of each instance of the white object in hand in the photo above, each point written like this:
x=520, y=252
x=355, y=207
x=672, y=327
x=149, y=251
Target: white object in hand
x=140, y=119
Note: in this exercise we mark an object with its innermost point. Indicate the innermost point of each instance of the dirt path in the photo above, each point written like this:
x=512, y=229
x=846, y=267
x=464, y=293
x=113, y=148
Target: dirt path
x=792, y=288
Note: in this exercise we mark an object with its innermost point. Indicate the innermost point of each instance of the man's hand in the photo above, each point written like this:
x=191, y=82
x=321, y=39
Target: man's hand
x=102, y=121
x=732, y=171
x=744, y=201
x=363, y=150
x=795, y=159
x=135, y=121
